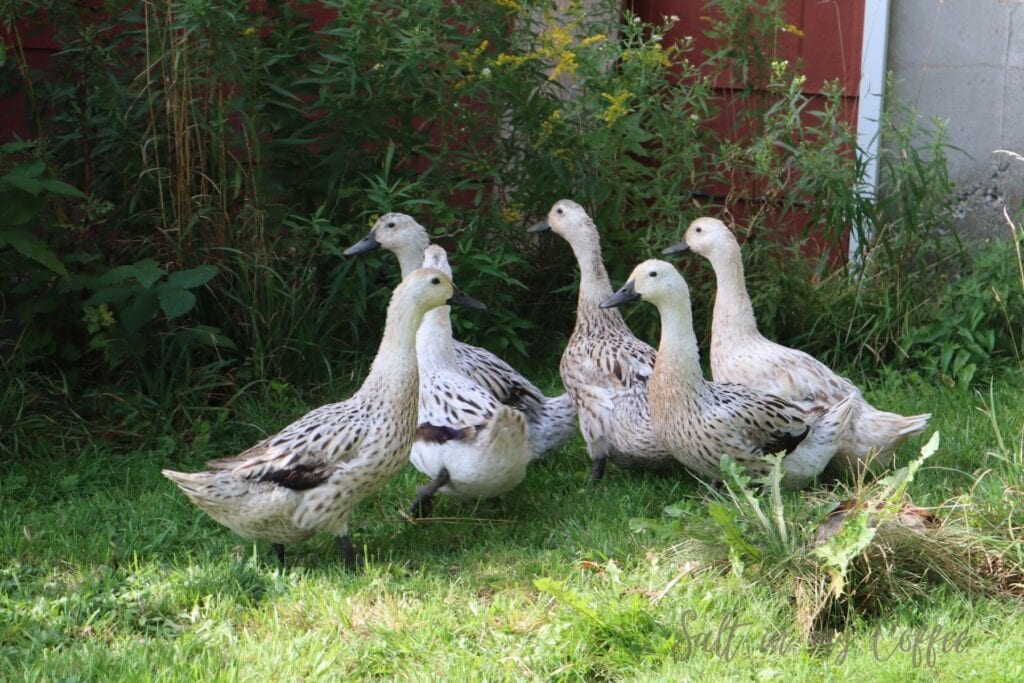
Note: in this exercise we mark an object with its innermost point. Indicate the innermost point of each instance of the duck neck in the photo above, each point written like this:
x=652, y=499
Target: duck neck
x=434, y=345
x=394, y=369
x=410, y=257
x=595, y=286
x=733, y=314
x=678, y=359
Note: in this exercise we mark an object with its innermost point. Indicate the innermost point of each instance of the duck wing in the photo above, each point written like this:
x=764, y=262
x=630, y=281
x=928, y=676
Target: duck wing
x=615, y=364
x=452, y=407
x=766, y=423
x=329, y=435
x=800, y=377
x=499, y=378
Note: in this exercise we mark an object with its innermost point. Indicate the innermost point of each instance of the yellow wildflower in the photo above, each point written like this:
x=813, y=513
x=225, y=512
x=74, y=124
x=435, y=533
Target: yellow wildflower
x=591, y=40
x=549, y=126
x=616, y=108
x=566, y=65
x=505, y=59
x=467, y=60
x=250, y=31
x=511, y=214
x=509, y=4
x=794, y=29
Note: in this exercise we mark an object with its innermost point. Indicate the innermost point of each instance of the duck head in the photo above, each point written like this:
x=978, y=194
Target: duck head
x=436, y=257
x=395, y=232
x=567, y=219
x=430, y=288
x=707, y=236
x=653, y=280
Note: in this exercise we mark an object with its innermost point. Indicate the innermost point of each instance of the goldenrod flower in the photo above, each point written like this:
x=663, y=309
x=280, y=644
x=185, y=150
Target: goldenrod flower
x=794, y=29
x=616, y=108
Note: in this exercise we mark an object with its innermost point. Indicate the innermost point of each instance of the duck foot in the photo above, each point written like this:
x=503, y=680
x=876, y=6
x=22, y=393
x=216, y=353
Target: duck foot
x=423, y=503
x=597, y=469
x=353, y=558
x=278, y=549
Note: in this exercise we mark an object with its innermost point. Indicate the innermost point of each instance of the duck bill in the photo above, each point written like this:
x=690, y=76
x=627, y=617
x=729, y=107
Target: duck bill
x=460, y=298
x=680, y=248
x=368, y=243
x=625, y=294
x=541, y=226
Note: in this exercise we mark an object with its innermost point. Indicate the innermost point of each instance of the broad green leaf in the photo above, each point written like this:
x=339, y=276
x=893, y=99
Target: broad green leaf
x=16, y=146
x=30, y=246
x=31, y=169
x=147, y=272
x=175, y=301
x=18, y=208
x=139, y=312
x=23, y=178
x=60, y=187
x=193, y=277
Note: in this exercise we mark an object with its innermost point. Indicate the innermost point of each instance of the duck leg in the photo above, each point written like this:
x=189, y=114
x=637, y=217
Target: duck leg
x=278, y=549
x=353, y=558
x=598, y=452
x=423, y=503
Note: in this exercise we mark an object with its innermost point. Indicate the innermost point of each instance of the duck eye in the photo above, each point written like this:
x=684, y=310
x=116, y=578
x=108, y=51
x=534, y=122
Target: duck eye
x=391, y=225
x=654, y=273
x=559, y=211
x=698, y=229
x=435, y=280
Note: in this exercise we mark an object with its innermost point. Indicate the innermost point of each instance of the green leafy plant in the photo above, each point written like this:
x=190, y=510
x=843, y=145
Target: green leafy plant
x=873, y=549
x=259, y=143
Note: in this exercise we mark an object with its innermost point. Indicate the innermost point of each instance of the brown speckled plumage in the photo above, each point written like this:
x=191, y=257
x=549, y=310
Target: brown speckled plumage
x=741, y=354
x=551, y=420
x=309, y=476
x=481, y=445
x=604, y=367
x=700, y=421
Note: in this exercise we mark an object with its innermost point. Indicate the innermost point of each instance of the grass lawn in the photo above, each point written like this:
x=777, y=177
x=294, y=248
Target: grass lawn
x=107, y=572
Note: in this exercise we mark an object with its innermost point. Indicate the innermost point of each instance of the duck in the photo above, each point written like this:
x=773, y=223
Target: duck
x=471, y=445
x=604, y=367
x=701, y=421
x=308, y=477
x=741, y=354
x=551, y=420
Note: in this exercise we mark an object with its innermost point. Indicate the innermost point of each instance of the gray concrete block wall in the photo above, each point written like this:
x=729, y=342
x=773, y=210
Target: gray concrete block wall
x=963, y=61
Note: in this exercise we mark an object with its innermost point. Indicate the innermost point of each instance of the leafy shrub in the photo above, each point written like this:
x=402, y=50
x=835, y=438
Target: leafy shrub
x=249, y=140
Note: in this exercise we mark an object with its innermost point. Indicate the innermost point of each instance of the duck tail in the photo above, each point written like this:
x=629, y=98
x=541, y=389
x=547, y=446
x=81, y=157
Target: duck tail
x=192, y=484
x=814, y=453
x=508, y=427
x=831, y=427
x=888, y=430
x=555, y=425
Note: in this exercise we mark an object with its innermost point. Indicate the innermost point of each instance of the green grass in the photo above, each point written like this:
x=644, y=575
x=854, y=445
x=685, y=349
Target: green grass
x=106, y=572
